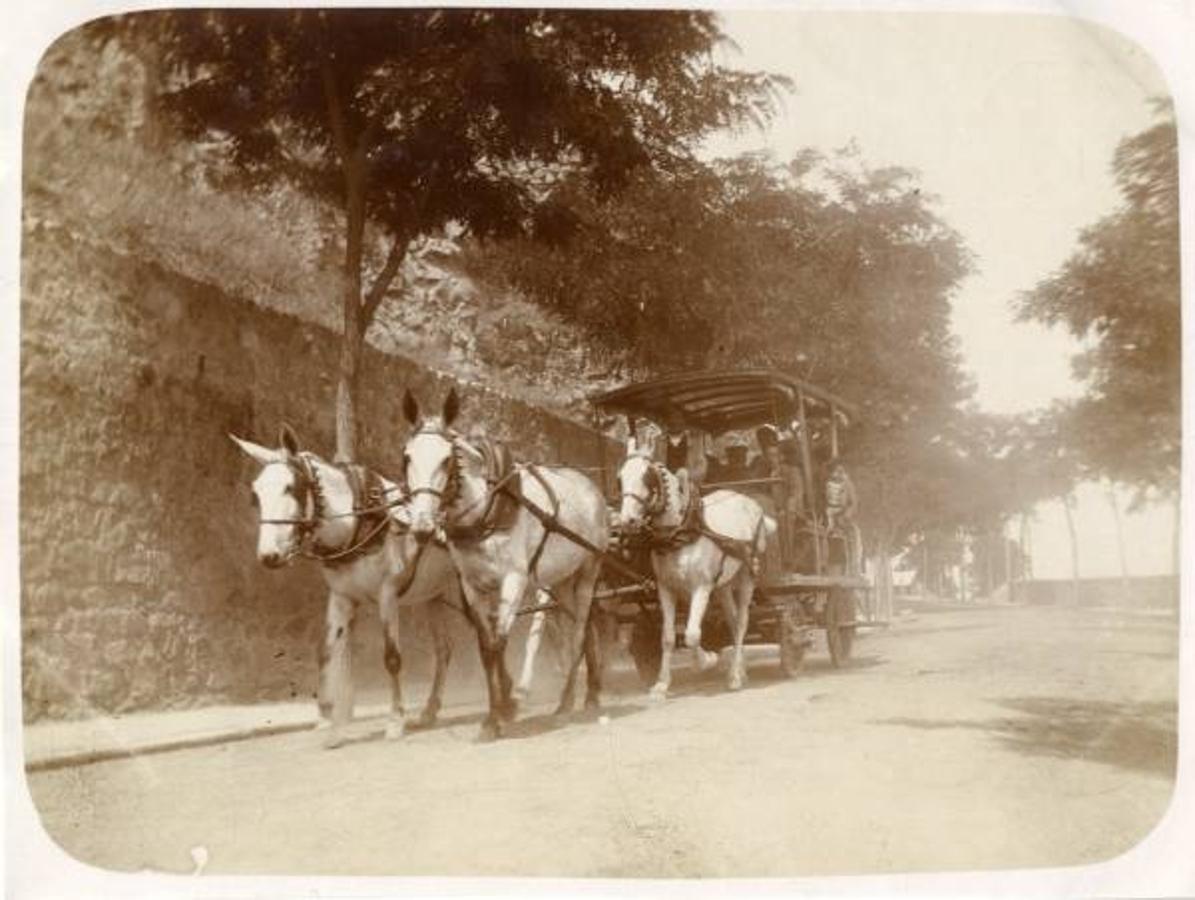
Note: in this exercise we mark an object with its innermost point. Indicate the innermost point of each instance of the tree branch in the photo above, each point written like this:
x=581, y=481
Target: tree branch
x=373, y=299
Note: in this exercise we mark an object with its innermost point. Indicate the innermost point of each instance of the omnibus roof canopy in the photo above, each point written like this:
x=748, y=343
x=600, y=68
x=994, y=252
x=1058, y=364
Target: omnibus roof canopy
x=719, y=401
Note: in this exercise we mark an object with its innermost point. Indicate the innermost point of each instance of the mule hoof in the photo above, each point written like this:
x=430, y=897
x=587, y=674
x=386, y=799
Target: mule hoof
x=519, y=694
x=657, y=694
x=395, y=730
x=491, y=730
x=735, y=684
x=509, y=710
x=333, y=738
x=705, y=659
x=427, y=718
x=593, y=701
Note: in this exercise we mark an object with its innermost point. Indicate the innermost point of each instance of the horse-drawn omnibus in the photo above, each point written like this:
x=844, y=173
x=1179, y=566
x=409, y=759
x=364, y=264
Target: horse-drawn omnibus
x=811, y=577
x=467, y=524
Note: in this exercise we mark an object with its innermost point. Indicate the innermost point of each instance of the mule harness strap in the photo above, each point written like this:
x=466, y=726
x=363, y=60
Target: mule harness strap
x=409, y=571
x=368, y=501
x=552, y=524
x=483, y=527
x=555, y=501
x=693, y=526
x=548, y=520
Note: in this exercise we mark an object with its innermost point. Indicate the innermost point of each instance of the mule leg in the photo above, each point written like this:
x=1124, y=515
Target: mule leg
x=593, y=662
x=744, y=588
x=491, y=726
x=572, y=640
x=336, y=673
x=437, y=620
x=534, y=636
x=659, y=690
x=703, y=659
x=392, y=657
x=587, y=612
x=511, y=595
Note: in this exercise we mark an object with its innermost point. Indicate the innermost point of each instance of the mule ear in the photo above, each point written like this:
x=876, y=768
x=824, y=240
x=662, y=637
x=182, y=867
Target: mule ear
x=410, y=407
x=452, y=407
x=263, y=455
x=287, y=440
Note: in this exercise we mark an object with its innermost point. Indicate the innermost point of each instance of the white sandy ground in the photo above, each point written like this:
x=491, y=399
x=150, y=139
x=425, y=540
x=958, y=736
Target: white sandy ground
x=985, y=738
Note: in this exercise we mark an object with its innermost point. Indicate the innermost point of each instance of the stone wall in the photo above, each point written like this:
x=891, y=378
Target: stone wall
x=139, y=584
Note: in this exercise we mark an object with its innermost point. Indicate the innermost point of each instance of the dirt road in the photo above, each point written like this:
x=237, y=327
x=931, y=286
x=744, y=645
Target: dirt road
x=958, y=739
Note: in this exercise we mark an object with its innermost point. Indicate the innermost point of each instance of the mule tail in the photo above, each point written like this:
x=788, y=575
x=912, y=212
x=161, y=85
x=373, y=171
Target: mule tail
x=758, y=547
x=765, y=533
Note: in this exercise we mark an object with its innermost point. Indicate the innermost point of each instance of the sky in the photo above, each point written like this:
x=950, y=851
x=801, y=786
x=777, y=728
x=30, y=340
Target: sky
x=1011, y=121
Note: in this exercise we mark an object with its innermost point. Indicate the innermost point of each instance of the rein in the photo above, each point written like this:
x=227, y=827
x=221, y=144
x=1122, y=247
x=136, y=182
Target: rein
x=692, y=525
x=307, y=482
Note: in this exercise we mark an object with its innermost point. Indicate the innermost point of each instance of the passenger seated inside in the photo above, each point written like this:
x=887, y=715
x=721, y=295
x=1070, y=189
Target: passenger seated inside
x=684, y=455
x=736, y=461
x=767, y=463
x=714, y=467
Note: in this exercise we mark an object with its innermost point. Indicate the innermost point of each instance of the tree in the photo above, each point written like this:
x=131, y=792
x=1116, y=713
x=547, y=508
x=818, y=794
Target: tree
x=822, y=267
x=1119, y=291
x=1045, y=465
x=411, y=119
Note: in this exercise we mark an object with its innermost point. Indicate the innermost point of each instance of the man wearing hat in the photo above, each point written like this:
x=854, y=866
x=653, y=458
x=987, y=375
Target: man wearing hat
x=779, y=459
x=841, y=505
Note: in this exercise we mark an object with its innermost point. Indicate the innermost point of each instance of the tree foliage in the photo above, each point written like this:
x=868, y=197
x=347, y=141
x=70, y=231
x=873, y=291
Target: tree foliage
x=822, y=267
x=413, y=118
x=1119, y=292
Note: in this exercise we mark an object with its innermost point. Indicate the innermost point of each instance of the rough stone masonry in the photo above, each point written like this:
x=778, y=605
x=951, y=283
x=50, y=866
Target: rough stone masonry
x=140, y=588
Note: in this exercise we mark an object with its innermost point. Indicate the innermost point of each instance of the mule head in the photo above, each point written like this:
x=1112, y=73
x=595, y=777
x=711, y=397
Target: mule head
x=279, y=496
x=430, y=464
x=640, y=487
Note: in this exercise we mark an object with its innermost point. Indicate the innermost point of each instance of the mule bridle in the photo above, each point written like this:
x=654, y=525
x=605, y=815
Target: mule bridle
x=309, y=493
x=656, y=500
x=447, y=494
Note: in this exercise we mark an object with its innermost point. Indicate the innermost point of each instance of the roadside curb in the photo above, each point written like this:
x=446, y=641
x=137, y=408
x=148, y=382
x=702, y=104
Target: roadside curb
x=69, y=759
x=62, y=745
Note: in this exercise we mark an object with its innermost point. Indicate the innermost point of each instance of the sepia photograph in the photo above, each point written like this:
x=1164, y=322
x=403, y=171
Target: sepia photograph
x=594, y=443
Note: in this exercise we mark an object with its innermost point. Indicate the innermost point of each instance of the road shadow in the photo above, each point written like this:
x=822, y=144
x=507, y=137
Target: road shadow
x=763, y=675
x=1138, y=736
x=530, y=724
x=543, y=723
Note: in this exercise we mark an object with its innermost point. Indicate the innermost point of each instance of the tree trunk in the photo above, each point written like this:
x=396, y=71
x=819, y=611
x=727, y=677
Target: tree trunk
x=925, y=585
x=1068, y=501
x=1114, y=505
x=962, y=567
x=988, y=574
x=1009, y=576
x=353, y=334
x=1176, y=535
x=883, y=578
x=1025, y=566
